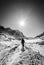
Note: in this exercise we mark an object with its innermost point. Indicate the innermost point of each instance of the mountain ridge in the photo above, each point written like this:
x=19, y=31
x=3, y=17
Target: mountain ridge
x=15, y=33
x=40, y=35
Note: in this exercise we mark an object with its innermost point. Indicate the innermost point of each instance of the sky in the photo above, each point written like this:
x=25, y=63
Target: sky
x=24, y=15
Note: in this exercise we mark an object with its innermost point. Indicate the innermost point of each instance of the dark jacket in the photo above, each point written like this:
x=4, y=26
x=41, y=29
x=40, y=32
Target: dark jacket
x=22, y=41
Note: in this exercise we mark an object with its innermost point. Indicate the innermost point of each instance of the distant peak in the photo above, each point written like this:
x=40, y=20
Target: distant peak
x=40, y=35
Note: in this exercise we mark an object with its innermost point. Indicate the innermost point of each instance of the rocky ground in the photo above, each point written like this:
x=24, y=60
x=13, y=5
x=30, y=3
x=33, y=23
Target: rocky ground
x=12, y=55
x=11, y=49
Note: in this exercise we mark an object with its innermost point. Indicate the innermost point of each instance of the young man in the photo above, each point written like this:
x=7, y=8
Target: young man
x=22, y=42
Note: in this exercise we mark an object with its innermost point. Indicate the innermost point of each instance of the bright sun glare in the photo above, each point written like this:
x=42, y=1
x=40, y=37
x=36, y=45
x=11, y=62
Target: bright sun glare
x=22, y=23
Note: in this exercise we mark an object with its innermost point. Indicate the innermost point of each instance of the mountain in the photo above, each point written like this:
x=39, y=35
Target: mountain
x=14, y=33
x=40, y=36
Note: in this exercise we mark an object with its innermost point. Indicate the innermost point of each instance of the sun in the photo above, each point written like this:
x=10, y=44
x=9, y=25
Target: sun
x=22, y=23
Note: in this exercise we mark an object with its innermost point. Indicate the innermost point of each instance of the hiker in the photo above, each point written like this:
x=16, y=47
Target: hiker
x=22, y=42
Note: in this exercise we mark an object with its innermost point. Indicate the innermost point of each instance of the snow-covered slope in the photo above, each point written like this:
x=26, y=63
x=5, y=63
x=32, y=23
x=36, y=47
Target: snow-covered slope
x=34, y=40
x=38, y=39
x=8, y=32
